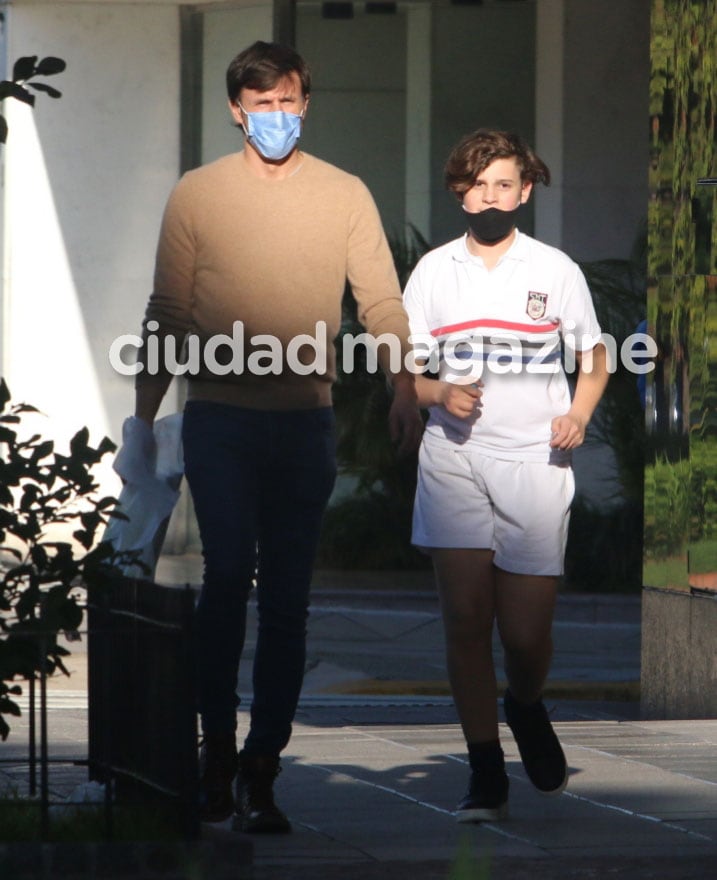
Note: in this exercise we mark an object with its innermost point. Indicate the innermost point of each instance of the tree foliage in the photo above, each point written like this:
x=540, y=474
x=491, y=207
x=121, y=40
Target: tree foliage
x=680, y=487
x=19, y=87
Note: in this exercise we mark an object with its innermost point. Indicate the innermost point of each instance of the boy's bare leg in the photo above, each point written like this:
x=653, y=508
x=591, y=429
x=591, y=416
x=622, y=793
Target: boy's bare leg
x=524, y=607
x=524, y=612
x=466, y=586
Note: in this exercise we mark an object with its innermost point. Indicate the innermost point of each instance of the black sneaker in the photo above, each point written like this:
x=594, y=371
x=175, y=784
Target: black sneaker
x=486, y=799
x=539, y=748
x=218, y=762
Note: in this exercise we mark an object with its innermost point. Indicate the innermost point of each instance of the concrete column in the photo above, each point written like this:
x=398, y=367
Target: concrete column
x=550, y=16
x=418, y=118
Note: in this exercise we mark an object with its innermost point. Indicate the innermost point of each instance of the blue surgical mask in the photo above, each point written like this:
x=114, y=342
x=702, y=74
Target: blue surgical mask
x=274, y=133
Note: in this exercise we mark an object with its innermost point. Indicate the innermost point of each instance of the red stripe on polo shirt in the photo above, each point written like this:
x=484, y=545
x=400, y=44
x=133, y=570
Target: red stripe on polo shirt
x=494, y=324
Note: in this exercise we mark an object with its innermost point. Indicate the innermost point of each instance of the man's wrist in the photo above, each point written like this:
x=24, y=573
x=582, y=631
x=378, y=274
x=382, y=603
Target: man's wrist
x=403, y=383
x=145, y=412
x=579, y=417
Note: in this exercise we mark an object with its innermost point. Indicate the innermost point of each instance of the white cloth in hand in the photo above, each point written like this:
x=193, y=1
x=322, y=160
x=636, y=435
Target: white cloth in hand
x=151, y=465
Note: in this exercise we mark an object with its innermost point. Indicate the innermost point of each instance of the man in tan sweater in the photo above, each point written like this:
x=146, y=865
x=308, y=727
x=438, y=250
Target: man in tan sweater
x=253, y=256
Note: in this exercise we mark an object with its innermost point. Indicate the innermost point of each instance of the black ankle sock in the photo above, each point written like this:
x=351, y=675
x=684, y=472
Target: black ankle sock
x=536, y=704
x=486, y=756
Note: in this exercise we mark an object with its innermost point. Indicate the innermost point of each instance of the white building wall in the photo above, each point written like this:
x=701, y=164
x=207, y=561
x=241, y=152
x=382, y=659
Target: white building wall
x=357, y=115
x=85, y=182
x=226, y=31
x=482, y=76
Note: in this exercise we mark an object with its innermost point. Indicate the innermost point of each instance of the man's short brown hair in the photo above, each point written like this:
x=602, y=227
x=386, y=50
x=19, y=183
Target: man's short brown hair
x=474, y=152
x=262, y=65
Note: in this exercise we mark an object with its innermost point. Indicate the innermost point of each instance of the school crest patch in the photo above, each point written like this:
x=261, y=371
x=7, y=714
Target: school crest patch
x=537, y=304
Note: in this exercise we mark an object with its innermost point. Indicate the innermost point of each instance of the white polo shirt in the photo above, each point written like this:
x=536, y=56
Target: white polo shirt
x=507, y=327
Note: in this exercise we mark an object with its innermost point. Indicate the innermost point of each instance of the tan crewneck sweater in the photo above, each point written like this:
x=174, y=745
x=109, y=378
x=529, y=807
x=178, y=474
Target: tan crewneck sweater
x=274, y=255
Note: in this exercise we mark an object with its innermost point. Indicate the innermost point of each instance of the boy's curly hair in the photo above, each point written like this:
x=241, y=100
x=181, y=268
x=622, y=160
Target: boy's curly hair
x=474, y=152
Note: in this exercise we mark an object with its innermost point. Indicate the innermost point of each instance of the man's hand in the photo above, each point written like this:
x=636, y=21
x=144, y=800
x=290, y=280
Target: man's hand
x=567, y=432
x=404, y=419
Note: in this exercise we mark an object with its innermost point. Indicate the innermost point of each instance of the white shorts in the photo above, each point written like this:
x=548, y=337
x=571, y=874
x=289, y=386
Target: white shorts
x=519, y=509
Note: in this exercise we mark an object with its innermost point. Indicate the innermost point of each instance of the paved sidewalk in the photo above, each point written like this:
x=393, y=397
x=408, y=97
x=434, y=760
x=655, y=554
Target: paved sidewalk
x=377, y=762
x=375, y=801
x=389, y=639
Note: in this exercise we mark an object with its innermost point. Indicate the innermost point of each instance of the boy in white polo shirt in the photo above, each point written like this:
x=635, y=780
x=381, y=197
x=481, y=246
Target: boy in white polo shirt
x=497, y=313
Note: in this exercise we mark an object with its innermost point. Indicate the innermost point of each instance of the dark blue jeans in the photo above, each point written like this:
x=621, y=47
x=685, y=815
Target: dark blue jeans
x=260, y=481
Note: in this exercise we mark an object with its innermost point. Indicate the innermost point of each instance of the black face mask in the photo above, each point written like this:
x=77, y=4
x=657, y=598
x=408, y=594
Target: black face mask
x=492, y=225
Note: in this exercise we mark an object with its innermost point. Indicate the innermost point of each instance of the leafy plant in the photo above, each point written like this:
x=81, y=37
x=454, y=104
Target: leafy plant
x=604, y=551
x=370, y=531
x=24, y=70
x=79, y=822
x=619, y=291
x=43, y=495
x=380, y=507
x=667, y=508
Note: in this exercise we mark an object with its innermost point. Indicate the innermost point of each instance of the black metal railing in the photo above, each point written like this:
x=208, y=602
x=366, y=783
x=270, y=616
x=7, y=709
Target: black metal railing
x=142, y=721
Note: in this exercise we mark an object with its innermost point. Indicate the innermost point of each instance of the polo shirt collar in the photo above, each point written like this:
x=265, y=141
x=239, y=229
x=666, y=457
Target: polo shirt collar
x=517, y=251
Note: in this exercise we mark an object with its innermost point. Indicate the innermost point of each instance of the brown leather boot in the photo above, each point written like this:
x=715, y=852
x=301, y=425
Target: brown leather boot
x=218, y=762
x=256, y=811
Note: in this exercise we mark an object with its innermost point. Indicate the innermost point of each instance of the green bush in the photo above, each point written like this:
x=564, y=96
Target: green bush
x=604, y=552
x=370, y=531
x=42, y=492
x=20, y=820
x=667, y=508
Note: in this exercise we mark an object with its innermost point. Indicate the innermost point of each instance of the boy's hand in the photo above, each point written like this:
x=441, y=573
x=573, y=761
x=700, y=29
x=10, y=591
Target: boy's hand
x=461, y=400
x=567, y=432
